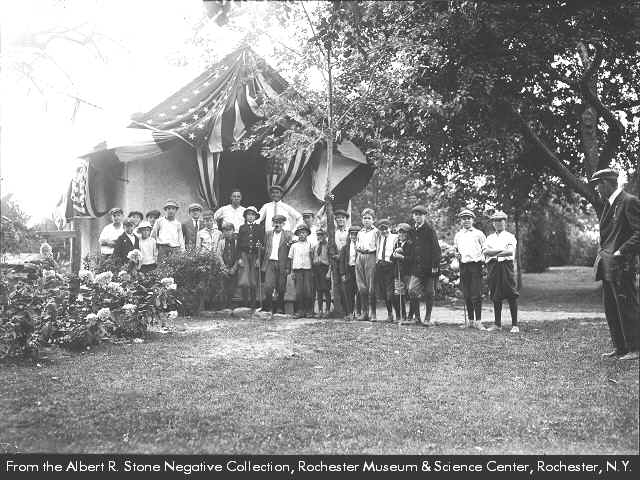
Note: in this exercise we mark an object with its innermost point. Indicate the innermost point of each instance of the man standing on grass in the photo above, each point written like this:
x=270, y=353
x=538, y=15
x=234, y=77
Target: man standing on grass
x=614, y=265
x=426, y=265
x=277, y=207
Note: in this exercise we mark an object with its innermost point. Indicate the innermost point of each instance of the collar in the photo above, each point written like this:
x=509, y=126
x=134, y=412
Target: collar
x=614, y=195
x=277, y=233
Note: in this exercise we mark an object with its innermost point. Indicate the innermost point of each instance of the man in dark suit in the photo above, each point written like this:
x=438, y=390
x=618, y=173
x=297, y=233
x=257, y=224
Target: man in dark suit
x=125, y=242
x=426, y=263
x=274, y=264
x=619, y=246
x=191, y=227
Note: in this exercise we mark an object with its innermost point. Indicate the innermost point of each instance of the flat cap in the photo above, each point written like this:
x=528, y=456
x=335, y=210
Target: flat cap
x=341, y=212
x=171, y=203
x=195, y=206
x=115, y=210
x=135, y=212
x=276, y=187
x=279, y=218
x=384, y=222
x=308, y=213
x=404, y=227
x=250, y=209
x=153, y=213
x=127, y=222
x=143, y=224
x=302, y=226
x=368, y=211
x=499, y=215
x=465, y=212
x=604, y=174
x=419, y=209
x=354, y=228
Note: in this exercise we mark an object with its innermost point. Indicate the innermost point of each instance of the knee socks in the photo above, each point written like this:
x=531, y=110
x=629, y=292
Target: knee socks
x=513, y=308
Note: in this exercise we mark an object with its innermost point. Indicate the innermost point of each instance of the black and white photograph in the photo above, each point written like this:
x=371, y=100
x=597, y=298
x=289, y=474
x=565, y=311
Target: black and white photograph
x=331, y=229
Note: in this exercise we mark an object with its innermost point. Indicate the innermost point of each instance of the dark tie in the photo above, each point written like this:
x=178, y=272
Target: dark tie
x=384, y=247
x=196, y=221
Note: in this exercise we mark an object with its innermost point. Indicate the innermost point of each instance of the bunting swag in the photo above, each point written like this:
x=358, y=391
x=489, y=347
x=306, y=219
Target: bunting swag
x=208, y=163
x=287, y=172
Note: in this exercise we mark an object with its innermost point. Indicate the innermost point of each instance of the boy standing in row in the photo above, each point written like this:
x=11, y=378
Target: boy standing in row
x=274, y=264
x=300, y=264
x=167, y=231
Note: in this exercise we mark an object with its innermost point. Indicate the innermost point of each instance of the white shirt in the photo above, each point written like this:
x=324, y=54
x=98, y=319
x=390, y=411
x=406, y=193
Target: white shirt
x=388, y=250
x=312, y=238
x=168, y=232
x=132, y=237
x=614, y=195
x=148, y=251
x=300, y=255
x=504, y=241
x=352, y=254
x=275, y=245
x=268, y=211
x=470, y=245
x=368, y=240
x=208, y=239
x=230, y=214
x=110, y=234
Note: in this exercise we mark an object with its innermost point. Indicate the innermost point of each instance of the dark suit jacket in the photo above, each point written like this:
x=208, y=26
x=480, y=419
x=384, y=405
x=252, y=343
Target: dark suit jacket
x=123, y=246
x=343, y=259
x=619, y=230
x=426, y=250
x=190, y=233
x=283, y=249
x=409, y=257
x=251, y=237
x=232, y=261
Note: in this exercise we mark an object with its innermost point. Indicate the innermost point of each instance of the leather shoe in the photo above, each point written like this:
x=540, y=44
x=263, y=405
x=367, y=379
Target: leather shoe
x=614, y=353
x=630, y=356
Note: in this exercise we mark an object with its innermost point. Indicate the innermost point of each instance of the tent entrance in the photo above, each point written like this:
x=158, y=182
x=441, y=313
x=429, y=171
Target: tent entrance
x=245, y=170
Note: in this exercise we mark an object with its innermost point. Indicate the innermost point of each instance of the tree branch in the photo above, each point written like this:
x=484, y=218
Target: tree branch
x=553, y=161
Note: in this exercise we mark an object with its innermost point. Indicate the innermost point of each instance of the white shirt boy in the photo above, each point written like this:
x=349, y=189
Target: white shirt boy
x=470, y=245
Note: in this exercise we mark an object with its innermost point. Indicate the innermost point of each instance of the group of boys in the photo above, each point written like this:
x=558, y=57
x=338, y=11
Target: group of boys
x=258, y=251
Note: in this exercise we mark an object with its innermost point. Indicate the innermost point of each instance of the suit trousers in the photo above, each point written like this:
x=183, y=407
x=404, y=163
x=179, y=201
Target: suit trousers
x=304, y=289
x=350, y=290
x=365, y=274
x=623, y=312
x=471, y=281
x=385, y=279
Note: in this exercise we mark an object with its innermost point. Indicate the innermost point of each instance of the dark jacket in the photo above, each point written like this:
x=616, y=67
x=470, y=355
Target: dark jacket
x=230, y=257
x=406, y=263
x=190, y=233
x=343, y=259
x=123, y=246
x=251, y=237
x=426, y=251
x=283, y=249
x=619, y=230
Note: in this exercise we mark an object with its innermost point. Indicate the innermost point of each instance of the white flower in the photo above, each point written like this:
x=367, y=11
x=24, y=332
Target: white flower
x=103, y=278
x=134, y=255
x=444, y=280
x=123, y=276
x=129, y=307
x=86, y=276
x=172, y=315
x=104, y=314
x=91, y=317
x=167, y=281
x=173, y=286
x=456, y=282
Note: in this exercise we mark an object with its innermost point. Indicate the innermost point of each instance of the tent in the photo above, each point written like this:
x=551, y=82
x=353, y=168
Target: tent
x=182, y=149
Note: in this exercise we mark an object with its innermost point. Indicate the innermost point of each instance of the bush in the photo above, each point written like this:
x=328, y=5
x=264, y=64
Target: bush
x=584, y=247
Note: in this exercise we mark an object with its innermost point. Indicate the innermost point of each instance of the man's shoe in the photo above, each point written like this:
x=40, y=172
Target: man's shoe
x=494, y=328
x=362, y=317
x=298, y=315
x=614, y=353
x=515, y=329
x=630, y=356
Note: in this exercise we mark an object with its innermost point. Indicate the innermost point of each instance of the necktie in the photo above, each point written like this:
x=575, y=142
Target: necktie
x=384, y=248
x=196, y=222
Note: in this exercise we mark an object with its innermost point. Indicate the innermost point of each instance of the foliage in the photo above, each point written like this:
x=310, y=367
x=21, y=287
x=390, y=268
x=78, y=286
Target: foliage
x=16, y=237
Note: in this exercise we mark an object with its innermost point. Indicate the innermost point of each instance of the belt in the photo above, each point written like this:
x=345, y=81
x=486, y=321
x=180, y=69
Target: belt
x=368, y=252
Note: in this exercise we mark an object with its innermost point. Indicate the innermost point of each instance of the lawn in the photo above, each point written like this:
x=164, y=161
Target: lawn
x=311, y=386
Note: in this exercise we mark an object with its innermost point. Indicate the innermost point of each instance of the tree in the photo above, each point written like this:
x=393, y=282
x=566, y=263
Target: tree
x=16, y=236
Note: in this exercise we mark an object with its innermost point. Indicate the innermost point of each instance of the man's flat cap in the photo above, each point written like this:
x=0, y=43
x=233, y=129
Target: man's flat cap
x=419, y=209
x=384, y=222
x=279, y=218
x=250, y=209
x=195, y=206
x=135, y=212
x=115, y=210
x=604, y=174
x=308, y=213
x=354, y=228
x=499, y=215
x=170, y=203
x=341, y=212
x=404, y=227
x=302, y=227
x=153, y=213
x=465, y=212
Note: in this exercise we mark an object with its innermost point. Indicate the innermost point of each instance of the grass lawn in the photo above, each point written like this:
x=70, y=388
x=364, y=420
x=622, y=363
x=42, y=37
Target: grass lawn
x=304, y=386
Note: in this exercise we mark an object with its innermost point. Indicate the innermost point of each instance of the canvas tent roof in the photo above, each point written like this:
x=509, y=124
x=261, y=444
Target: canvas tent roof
x=210, y=114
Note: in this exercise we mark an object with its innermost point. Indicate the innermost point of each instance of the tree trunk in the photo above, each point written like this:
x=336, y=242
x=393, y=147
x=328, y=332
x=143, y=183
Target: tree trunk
x=589, y=120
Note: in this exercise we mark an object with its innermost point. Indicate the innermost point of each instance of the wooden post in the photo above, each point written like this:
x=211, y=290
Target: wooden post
x=74, y=236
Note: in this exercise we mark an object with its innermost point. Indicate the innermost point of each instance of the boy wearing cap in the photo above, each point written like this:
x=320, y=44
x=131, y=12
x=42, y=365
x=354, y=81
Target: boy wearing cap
x=499, y=250
x=366, y=248
x=426, y=263
x=208, y=237
x=152, y=216
x=250, y=242
x=191, y=227
x=168, y=231
x=111, y=232
x=320, y=268
x=403, y=258
x=227, y=252
x=384, y=265
x=614, y=265
x=274, y=264
x=347, y=270
x=126, y=242
x=275, y=207
x=300, y=257
x=340, y=236
x=148, y=247
x=469, y=243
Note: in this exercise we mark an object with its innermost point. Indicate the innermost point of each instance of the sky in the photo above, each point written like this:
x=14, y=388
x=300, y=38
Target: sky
x=146, y=52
